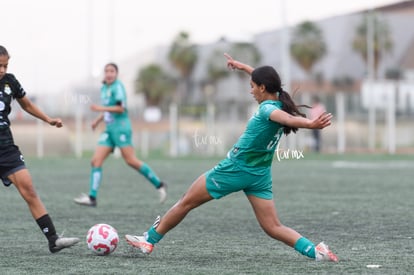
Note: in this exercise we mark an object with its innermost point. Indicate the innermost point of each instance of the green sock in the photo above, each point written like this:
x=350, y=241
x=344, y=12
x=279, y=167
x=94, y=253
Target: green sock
x=305, y=247
x=153, y=236
x=95, y=181
x=147, y=172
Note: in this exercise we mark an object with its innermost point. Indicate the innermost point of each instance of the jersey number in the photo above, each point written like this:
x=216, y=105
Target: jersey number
x=275, y=140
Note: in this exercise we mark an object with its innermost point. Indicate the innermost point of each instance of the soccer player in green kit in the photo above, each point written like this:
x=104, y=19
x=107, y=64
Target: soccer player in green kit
x=248, y=167
x=118, y=133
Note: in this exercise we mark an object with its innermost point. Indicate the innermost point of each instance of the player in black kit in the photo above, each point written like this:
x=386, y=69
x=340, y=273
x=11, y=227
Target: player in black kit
x=12, y=167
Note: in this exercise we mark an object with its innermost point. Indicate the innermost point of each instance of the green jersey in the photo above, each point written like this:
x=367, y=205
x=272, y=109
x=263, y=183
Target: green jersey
x=112, y=95
x=256, y=146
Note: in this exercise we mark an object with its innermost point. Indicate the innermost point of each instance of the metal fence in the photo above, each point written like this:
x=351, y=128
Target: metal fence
x=377, y=119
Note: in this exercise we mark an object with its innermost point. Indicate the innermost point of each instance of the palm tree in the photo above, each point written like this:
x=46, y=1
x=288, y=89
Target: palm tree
x=183, y=56
x=382, y=40
x=155, y=84
x=307, y=46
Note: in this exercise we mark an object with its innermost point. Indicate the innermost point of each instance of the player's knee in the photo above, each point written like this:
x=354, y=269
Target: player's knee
x=29, y=193
x=186, y=205
x=272, y=229
x=96, y=162
x=129, y=161
x=133, y=162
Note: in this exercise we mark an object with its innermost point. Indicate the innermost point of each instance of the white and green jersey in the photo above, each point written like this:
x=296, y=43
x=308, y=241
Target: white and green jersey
x=113, y=95
x=256, y=146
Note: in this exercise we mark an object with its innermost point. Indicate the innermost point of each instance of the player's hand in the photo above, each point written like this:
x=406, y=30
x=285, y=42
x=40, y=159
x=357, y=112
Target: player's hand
x=56, y=122
x=94, y=124
x=233, y=64
x=95, y=108
x=230, y=61
x=322, y=121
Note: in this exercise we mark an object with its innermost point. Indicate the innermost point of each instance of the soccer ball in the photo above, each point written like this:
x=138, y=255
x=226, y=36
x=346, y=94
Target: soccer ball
x=102, y=239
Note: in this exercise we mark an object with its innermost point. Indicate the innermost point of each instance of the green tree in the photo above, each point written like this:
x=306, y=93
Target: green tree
x=183, y=56
x=156, y=85
x=307, y=46
x=382, y=41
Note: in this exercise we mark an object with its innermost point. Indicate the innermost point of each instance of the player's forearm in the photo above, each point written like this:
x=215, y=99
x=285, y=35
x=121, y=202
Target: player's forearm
x=287, y=119
x=244, y=67
x=111, y=109
x=298, y=122
x=234, y=64
x=33, y=110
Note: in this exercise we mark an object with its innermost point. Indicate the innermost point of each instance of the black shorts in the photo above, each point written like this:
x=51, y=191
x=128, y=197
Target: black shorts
x=11, y=161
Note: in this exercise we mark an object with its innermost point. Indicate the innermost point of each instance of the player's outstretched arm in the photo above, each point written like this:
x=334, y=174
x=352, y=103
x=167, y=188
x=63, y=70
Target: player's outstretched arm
x=31, y=108
x=234, y=64
x=287, y=119
x=112, y=109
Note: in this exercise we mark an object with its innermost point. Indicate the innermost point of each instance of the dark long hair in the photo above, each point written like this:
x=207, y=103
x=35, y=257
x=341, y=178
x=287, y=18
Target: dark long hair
x=267, y=76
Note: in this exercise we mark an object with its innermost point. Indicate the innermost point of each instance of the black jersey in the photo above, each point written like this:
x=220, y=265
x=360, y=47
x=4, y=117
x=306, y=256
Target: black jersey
x=10, y=89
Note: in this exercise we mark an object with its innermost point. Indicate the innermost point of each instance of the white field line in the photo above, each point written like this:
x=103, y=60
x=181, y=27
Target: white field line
x=374, y=165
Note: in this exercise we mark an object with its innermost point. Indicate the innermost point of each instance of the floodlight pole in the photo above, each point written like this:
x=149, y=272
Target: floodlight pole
x=40, y=130
x=89, y=66
x=285, y=60
x=371, y=78
x=78, y=130
x=340, y=104
x=40, y=139
x=89, y=37
x=285, y=56
x=111, y=29
x=173, y=129
x=391, y=129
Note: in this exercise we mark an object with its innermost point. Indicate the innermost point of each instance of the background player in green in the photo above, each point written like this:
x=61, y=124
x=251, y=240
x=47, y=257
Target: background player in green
x=12, y=166
x=118, y=133
x=248, y=167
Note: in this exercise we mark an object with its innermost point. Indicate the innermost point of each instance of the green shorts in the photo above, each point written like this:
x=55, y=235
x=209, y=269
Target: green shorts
x=227, y=178
x=115, y=138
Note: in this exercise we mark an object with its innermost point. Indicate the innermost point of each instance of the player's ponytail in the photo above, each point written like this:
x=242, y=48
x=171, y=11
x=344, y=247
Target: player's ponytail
x=290, y=107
